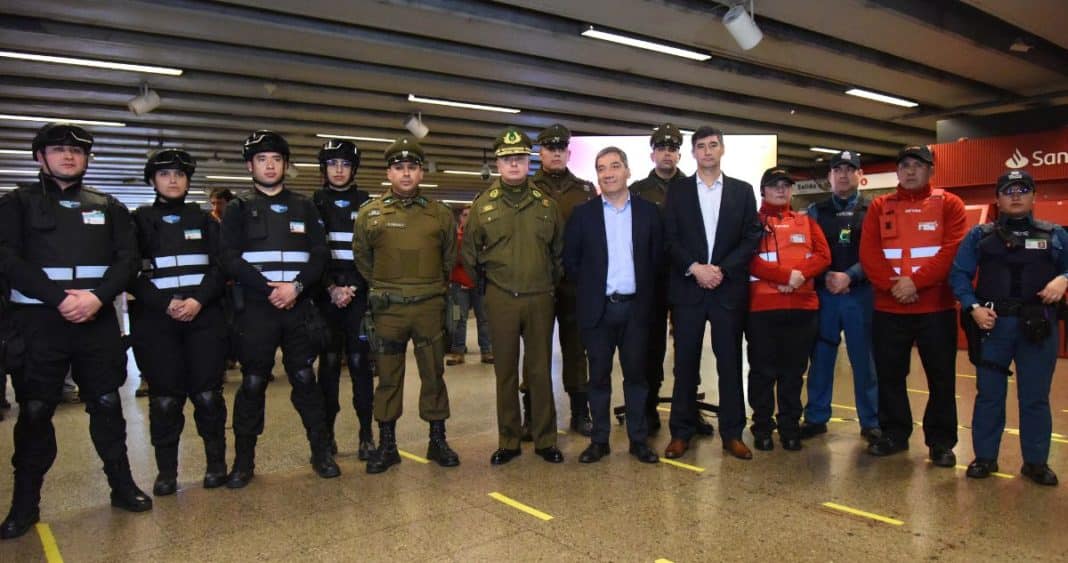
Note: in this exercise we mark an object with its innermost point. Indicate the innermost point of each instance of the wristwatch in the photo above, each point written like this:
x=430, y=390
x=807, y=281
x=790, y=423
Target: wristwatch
x=299, y=286
x=973, y=307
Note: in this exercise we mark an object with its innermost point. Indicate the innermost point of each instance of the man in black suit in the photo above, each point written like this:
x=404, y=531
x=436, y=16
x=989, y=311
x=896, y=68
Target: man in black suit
x=612, y=248
x=711, y=230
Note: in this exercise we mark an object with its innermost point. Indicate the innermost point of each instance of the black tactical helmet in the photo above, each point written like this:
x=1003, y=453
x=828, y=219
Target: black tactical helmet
x=339, y=149
x=263, y=140
x=167, y=159
x=62, y=134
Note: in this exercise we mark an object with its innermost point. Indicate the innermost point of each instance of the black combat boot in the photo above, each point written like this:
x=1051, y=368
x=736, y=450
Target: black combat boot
x=367, y=443
x=439, y=449
x=580, y=414
x=24, y=513
x=167, y=464
x=386, y=454
x=244, y=462
x=124, y=492
x=322, y=459
x=215, y=456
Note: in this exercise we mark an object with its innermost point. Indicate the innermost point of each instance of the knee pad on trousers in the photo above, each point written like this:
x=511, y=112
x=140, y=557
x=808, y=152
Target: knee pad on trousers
x=304, y=376
x=166, y=405
x=207, y=399
x=34, y=411
x=106, y=403
x=254, y=384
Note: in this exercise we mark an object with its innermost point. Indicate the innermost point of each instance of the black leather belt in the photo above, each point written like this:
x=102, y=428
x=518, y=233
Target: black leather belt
x=620, y=298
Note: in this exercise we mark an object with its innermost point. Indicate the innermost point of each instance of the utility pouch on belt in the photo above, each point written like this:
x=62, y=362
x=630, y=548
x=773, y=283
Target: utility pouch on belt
x=1036, y=321
x=974, y=335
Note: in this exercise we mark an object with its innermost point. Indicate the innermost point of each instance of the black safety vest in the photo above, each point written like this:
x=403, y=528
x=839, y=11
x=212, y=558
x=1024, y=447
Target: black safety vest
x=68, y=234
x=174, y=245
x=276, y=241
x=842, y=230
x=338, y=211
x=1015, y=265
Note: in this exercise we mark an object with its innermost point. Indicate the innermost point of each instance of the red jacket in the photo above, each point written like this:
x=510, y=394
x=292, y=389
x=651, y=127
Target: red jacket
x=459, y=275
x=792, y=241
x=912, y=233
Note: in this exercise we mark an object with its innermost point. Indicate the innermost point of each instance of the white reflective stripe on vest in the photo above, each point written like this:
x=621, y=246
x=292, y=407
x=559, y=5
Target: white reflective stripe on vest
x=341, y=254
x=340, y=236
x=769, y=256
x=753, y=278
x=897, y=270
x=77, y=272
x=267, y=256
x=19, y=297
x=171, y=282
x=892, y=253
x=280, y=275
x=924, y=251
x=181, y=260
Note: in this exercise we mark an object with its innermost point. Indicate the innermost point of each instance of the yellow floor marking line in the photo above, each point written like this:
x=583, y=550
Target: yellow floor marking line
x=413, y=457
x=562, y=432
x=861, y=513
x=662, y=560
x=921, y=391
x=843, y=406
x=520, y=506
x=48, y=541
x=836, y=419
x=682, y=465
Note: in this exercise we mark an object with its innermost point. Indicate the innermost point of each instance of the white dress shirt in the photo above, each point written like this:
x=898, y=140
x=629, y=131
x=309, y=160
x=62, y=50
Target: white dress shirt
x=710, y=198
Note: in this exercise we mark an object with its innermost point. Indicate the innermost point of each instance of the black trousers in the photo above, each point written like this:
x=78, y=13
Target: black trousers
x=727, y=324
x=299, y=331
x=343, y=325
x=182, y=360
x=617, y=329
x=94, y=354
x=936, y=336
x=780, y=342
x=656, y=346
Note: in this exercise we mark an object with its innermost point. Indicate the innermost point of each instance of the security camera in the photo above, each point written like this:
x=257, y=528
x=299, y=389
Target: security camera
x=485, y=172
x=144, y=102
x=414, y=124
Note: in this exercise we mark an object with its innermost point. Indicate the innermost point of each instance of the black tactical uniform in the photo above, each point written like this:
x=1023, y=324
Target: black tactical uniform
x=275, y=238
x=337, y=206
x=61, y=239
x=179, y=259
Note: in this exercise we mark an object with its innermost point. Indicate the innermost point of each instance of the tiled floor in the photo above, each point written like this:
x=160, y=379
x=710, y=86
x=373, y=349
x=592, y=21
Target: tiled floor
x=770, y=508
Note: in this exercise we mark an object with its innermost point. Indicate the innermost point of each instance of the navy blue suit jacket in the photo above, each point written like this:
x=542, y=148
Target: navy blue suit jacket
x=738, y=234
x=586, y=257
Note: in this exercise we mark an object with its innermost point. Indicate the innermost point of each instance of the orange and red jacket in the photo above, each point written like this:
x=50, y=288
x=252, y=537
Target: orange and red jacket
x=792, y=241
x=459, y=275
x=912, y=233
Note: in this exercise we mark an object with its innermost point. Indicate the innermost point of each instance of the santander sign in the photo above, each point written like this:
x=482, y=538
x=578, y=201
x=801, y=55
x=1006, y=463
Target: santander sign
x=1038, y=158
x=978, y=162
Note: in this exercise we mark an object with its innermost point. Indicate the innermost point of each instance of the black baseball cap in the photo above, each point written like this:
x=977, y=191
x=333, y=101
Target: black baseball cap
x=846, y=157
x=1015, y=177
x=773, y=175
x=919, y=152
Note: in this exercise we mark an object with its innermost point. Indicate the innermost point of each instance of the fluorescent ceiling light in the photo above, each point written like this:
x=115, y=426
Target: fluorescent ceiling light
x=824, y=149
x=647, y=45
x=875, y=96
x=469, y=173
x=92, y=63
x=414, y=98
x=305, y=165
x=351, y=138
x=16, y=152
x=22, y=172
x=61, y=120
x=235, y=178
x=420, y=185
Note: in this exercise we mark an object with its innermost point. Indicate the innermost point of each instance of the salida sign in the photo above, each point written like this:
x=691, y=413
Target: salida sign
x=975, y=162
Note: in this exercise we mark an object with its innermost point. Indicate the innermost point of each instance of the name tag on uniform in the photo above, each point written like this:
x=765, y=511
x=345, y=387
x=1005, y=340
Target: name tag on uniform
x=396, y=225
x=844, y=214
x=193, y=234
x=1036, y=244
x=296, y=227
x=927, y=225
x=797, y=238
x=94, y=217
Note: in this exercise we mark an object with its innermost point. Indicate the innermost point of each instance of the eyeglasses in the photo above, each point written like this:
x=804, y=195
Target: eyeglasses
x=1016, y=190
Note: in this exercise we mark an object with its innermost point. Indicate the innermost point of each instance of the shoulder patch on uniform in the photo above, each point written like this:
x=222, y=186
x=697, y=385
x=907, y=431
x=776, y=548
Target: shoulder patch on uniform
x=536, y=193
x=495, y=193
x=487, y=208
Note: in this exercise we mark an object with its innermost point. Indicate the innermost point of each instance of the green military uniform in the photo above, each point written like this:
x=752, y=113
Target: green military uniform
x=654, y=188
x=569, y=191
x=405, y=247
x=514, y=239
